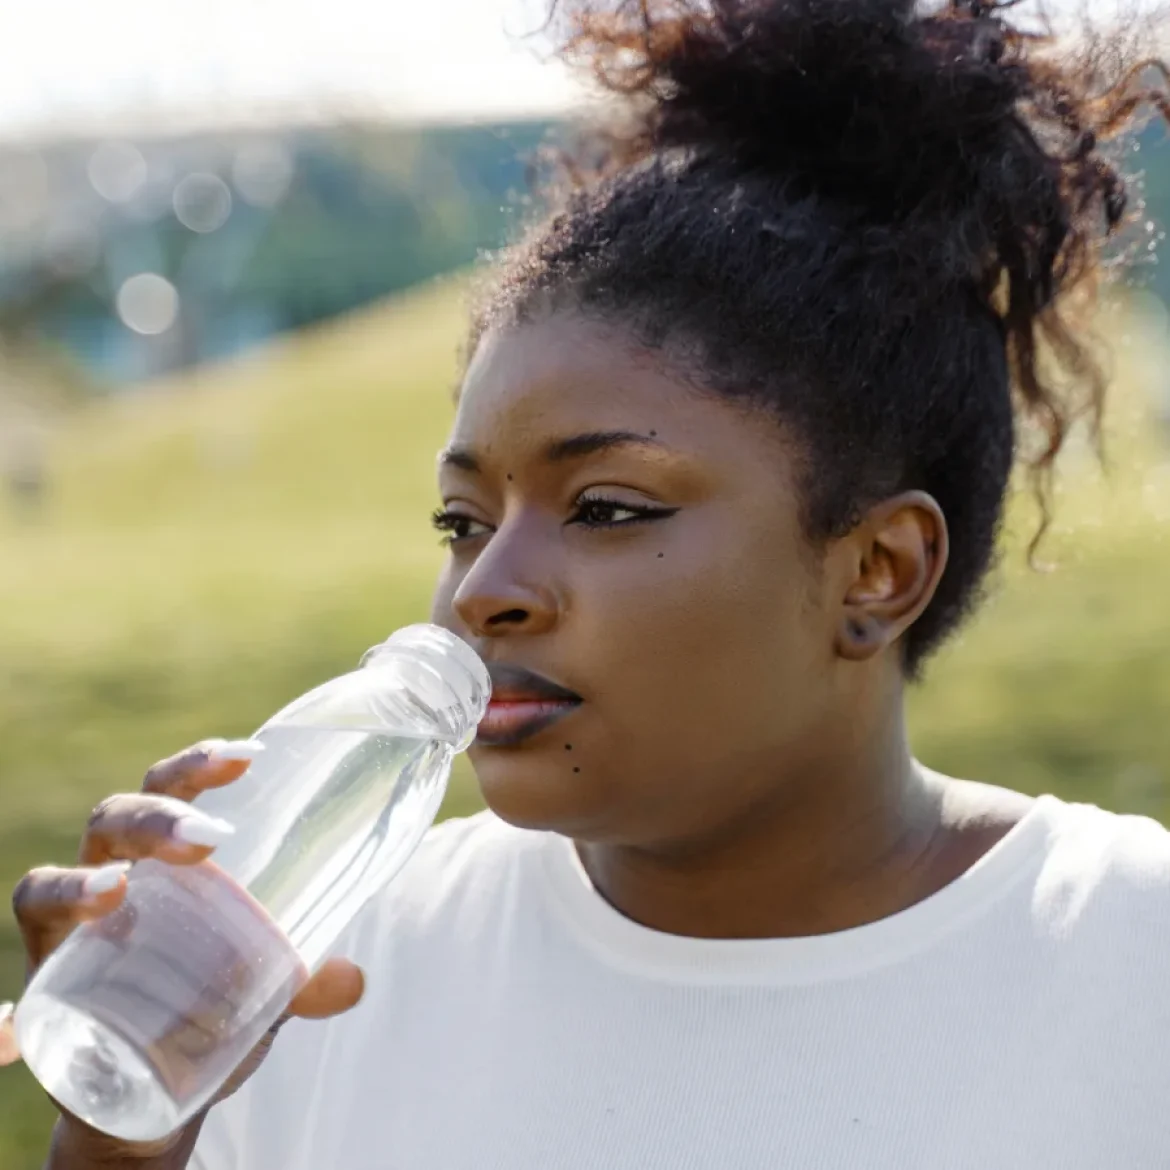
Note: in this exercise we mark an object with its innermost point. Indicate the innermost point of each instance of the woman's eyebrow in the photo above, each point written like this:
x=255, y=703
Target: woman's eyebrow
x=592, y=442
x=458, y=457
x=573, y=447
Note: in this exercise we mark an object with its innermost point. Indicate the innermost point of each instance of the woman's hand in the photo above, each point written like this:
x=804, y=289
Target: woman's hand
x=155, y=822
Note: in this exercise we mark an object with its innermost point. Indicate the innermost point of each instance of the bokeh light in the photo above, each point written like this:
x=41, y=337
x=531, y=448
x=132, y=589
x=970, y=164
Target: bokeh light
x=203, y=202
x=117, y=170
x=148, y=303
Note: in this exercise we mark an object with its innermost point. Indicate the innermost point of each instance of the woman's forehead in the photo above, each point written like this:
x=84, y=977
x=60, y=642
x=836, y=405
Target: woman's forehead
x=571, y=361
x=536, y=383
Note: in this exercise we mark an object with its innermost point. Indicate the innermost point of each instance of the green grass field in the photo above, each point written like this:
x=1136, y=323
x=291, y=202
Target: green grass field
x=213, y=548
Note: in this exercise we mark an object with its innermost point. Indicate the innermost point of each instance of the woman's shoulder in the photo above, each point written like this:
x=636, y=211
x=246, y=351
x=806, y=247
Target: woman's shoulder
x=1105, y=881
x=1129, y=850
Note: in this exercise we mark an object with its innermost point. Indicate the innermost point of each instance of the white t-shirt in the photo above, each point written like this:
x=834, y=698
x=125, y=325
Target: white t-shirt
x=1019, y=1019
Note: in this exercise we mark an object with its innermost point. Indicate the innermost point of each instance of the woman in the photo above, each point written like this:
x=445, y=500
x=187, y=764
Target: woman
x=728, y=463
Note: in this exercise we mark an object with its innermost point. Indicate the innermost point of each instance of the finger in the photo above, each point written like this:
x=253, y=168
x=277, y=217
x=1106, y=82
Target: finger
x=49, y=902
x=210, y=764
x=9, y=1053
x=131, y=827
x=337, y=986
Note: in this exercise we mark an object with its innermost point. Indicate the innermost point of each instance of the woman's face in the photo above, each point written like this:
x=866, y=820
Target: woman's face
x=636, y=544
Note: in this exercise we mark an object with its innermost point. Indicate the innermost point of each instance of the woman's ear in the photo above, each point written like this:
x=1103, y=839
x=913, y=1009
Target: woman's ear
x=897, y=555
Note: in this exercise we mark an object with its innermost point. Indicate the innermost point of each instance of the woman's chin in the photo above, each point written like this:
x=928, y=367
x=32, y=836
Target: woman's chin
x=536, y=795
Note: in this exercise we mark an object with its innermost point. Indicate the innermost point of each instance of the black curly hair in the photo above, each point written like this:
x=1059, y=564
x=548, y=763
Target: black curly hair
x=875, y=221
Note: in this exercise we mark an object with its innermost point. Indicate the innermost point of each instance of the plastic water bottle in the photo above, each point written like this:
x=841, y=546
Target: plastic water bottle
x=138, y=1019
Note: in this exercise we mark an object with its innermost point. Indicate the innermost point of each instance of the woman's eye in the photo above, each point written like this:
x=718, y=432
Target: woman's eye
x=456, y=526
x=607, y=513
x=602, y=512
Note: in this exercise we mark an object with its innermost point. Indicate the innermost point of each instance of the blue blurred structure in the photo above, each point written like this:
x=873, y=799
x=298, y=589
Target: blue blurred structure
x=138, y=257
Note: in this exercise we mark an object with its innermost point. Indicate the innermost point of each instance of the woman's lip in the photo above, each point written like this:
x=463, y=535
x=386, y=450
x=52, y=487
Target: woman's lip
x=510, y=720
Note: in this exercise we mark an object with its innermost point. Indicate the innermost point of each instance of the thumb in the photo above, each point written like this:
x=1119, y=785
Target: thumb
x=9, y=1053
x=335, y=988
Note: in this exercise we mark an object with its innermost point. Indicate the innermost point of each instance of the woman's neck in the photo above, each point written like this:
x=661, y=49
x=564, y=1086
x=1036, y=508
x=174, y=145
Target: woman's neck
x=845, y=844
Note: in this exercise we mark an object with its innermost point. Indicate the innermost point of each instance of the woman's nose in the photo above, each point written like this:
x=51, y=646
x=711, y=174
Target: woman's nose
x=501, y=596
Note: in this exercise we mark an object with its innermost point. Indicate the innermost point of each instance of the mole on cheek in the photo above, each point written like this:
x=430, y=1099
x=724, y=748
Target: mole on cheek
x=661, y=555
x=576, y=769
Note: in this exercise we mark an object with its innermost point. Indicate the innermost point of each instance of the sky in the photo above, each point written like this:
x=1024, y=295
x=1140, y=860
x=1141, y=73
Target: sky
x=86, y=63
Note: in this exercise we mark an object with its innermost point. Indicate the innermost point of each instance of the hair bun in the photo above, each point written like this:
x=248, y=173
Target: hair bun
x=872, y=103
x=851, y=95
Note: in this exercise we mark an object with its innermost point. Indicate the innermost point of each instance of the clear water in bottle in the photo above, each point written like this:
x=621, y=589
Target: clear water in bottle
x=343, y=809
x=165, y=1004
x=137, y=1021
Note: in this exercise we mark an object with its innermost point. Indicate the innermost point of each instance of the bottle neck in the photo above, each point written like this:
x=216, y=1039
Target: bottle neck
x=441, y=674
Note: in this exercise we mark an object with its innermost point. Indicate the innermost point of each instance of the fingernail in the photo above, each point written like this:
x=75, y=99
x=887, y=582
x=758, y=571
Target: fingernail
x=235, y=750
x=6, y=1012
x=196, y=828
x=103, y=880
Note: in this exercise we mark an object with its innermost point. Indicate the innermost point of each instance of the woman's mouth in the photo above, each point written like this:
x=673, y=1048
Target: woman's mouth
x=523, y=703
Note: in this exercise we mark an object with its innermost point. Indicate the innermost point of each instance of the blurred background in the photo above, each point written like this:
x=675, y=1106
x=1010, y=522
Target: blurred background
x=234, y=247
